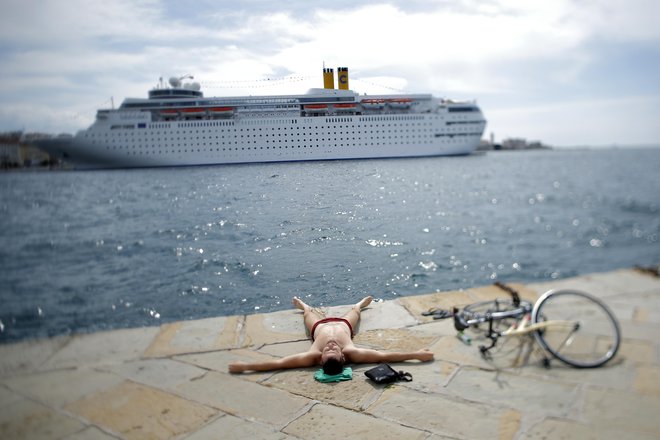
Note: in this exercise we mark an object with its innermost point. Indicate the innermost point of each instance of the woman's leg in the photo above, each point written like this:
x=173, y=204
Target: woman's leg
x=353, y=315
x=310, y=315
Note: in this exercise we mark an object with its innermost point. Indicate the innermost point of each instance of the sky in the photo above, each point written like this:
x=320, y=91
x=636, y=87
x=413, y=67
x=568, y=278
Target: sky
x=563, y=72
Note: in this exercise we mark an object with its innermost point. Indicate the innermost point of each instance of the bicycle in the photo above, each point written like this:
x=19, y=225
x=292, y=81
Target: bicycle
x=573, y=326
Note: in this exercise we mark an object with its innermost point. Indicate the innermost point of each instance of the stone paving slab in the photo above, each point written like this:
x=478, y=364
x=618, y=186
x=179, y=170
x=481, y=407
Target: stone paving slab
x=507, y=390
x=386, y=315
x=58, y=388
x=326, y=422
x=444, y=415
x=244, y=399
x=195, y=336
x=29, y=356
x=395, y=339
x=569, y=429
x=642, y=331
x=159, y=373
x=647, y=380
x=617, y=374
x=172, y=382
x=90, y=433
x=230, y=427
x=273, y=328
x=102, y=348
x=637, y=413
x=8, y=397
x=138, y=412
x=26, y=419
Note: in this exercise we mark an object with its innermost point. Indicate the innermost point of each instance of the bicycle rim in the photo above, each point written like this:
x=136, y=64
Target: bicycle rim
x=590, y=340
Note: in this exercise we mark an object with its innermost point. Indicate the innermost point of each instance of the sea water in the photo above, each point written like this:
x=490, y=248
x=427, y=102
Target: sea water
x=86, y=251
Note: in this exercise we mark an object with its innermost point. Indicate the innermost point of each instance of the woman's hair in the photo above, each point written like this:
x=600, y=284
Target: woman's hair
x=332, y=367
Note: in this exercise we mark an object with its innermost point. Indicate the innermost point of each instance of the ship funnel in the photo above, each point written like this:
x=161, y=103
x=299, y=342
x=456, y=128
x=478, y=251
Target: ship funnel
x=328, y=78
x=342, y=78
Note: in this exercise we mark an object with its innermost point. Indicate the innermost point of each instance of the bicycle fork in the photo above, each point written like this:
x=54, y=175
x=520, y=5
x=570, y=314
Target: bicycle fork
x=493, y=336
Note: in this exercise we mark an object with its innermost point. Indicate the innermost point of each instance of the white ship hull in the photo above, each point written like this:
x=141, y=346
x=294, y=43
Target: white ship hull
x=153, y=133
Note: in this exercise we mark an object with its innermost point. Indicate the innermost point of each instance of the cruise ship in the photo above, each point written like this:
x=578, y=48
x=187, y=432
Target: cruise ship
x=177, y=126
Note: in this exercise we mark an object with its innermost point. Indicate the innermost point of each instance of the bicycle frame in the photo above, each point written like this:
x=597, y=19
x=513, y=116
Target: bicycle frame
x=529, y=328
x=519, y=328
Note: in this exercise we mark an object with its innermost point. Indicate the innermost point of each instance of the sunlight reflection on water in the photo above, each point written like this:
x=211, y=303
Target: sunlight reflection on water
x=141, y=247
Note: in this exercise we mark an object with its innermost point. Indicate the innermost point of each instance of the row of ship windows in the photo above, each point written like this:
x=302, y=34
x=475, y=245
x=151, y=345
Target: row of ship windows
x=297, y=128
x=322, y=137
x=451, y=135
x=463, y=122
x=303, y=142
x=336, y=142
x=389, y=129
x=174, y=150
x=353, y=135
x=276, y=121
x=303, y=120
x=404, y=134
x=261, y=135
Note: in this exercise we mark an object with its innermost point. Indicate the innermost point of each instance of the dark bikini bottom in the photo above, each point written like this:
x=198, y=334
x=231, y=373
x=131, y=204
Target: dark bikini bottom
x=325, y=320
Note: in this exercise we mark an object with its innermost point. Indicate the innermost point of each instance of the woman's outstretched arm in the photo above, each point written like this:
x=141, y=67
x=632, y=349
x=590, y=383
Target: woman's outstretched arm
x=300, y=360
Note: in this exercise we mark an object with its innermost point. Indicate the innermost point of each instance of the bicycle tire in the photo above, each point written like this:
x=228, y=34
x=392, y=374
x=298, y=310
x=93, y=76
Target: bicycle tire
x=593, y=337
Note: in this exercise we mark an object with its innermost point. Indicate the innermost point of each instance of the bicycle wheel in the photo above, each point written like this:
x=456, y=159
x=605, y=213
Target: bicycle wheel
x=581, y=330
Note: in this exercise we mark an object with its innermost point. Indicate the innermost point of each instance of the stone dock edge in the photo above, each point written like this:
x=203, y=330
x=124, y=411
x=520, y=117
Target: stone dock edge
x=171, y=382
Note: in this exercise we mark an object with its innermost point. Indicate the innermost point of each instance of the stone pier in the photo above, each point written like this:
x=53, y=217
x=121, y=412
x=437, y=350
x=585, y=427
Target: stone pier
x=171, y=382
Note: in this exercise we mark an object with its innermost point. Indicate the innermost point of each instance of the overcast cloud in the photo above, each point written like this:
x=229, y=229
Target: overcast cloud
x=564, y=72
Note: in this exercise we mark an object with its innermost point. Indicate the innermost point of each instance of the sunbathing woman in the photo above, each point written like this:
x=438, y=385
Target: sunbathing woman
x=332, y=345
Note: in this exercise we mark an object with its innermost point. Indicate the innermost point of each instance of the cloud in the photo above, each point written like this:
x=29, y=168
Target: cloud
x=67, y=56
x=51, y=23
x=617, y=20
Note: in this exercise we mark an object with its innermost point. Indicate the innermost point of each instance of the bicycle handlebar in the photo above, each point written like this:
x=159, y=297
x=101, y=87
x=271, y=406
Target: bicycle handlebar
x=460, y=323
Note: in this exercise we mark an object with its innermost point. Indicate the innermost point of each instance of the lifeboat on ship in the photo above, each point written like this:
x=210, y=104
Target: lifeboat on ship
x=316, y=108
x=372, y=104
x=221, y=111
x=400, y=103
x=169, y=113
x=345, y=107
x=193, y=112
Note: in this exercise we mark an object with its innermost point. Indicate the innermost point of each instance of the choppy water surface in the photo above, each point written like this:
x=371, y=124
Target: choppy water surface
x=83, y=251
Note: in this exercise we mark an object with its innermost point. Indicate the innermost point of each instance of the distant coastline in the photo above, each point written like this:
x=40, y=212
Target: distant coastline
x=511, y=144
x=16, y=152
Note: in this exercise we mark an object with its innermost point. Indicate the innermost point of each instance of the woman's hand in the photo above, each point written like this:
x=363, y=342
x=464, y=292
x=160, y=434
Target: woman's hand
x=425, y=355
x=237, y=367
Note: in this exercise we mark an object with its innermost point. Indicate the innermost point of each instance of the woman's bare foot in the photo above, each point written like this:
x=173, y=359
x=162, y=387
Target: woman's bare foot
x=299, y=304
x=364, y=302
